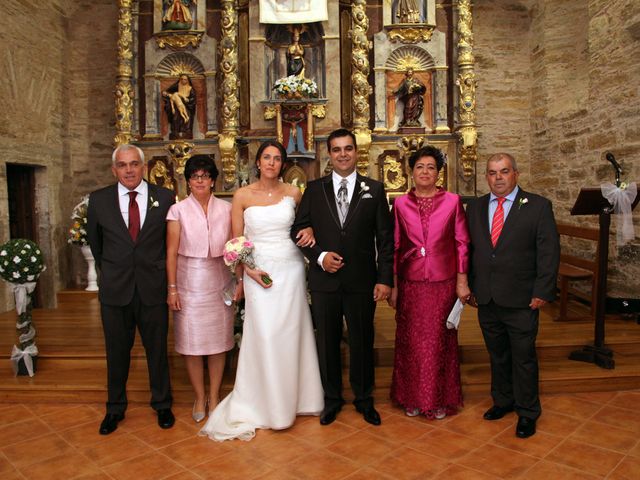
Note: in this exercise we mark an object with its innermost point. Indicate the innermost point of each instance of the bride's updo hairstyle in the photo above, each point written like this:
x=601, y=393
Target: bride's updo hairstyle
x=261, y=149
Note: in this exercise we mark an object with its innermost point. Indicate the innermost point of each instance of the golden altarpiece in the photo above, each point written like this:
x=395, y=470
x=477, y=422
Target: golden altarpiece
x=220, y=76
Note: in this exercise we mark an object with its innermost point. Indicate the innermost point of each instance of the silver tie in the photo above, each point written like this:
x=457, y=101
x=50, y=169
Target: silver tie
x=343, y=201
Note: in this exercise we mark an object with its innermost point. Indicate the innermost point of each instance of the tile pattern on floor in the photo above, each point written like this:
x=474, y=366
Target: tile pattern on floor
x=580, y=436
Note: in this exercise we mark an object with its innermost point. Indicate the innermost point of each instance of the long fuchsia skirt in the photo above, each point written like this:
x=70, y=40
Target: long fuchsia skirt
x=426, y=371
x=204, y=326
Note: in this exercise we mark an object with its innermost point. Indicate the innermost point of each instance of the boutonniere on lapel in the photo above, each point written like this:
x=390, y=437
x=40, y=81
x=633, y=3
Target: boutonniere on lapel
x=153, y=203
x=521, y=202
x=364, y=190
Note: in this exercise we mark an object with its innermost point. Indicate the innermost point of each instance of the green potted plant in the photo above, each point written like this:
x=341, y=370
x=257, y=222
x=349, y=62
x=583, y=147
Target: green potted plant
x=21, y=264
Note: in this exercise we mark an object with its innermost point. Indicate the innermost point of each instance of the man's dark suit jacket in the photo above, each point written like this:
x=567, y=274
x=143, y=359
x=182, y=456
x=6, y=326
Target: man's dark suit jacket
x=368, y=229
x=126, y=266
x=524, y=263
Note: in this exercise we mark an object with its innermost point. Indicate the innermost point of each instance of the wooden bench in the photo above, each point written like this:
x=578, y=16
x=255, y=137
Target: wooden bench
x=573, y=268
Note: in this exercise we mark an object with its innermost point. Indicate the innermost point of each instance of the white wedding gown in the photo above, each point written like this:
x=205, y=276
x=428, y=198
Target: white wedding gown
x=278, y=375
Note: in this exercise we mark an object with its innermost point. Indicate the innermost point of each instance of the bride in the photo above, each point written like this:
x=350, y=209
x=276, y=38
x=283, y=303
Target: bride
x=278, y=375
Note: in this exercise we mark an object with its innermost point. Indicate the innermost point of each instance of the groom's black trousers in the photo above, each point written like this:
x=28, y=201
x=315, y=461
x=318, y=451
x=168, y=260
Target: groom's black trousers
x=358, y=309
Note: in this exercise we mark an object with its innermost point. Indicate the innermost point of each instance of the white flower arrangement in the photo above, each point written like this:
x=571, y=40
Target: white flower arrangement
x=20, y=261
x=294, y=86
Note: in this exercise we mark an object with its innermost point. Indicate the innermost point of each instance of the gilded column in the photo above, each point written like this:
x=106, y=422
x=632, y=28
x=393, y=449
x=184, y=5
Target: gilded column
x=229, y=89
x=360, y=82
x=124, y=93
x=466, y=83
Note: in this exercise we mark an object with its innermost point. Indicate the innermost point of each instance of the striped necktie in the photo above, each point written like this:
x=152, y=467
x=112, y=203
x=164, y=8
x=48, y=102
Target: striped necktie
x=343, y=201
x=498, y=221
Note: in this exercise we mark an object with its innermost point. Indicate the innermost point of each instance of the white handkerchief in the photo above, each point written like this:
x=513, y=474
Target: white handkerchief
x=454, y=317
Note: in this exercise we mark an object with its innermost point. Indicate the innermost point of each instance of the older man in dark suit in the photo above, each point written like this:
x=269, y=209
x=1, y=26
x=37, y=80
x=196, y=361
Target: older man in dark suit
x=351, y=267
x=126, y=228
x=515, y=254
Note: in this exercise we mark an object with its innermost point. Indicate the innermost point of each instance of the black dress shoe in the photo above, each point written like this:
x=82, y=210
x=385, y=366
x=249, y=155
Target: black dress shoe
x=496, y=412
x=166, y=418
x=370, y=415
x=329, y=415
x=526, y=427
x=110, y=423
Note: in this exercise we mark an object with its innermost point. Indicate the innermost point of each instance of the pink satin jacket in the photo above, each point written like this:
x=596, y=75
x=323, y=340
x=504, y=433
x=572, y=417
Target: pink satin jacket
x=200, y=234
x=443, y=252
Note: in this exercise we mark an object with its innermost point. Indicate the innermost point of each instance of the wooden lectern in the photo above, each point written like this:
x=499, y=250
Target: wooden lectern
x=591, y=202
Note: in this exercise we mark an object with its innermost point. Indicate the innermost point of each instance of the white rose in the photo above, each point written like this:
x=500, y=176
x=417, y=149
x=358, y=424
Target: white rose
x=30, y=277
x=16, y=275
x=33, y=259
x=3, y=253
x=16, y=259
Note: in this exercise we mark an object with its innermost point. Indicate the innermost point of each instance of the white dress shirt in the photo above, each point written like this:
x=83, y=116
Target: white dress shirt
x=141, y=198
x=351, y=186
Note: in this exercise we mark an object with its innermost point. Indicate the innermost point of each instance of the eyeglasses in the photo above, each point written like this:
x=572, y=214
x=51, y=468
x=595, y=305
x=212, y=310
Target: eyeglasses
x=204, y=176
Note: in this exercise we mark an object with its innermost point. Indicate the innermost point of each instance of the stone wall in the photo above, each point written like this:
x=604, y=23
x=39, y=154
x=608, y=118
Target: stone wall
x=59, y=64
x=558, y=88
x=585, y=103
x=33, y=121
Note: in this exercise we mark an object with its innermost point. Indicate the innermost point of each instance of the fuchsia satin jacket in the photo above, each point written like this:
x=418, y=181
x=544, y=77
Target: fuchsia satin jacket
x=443, y=251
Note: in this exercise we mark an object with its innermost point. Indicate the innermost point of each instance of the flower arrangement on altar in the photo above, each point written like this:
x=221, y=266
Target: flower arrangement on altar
x=21, y=263
x=294, y=86
x=78, y=232
x=240, y=250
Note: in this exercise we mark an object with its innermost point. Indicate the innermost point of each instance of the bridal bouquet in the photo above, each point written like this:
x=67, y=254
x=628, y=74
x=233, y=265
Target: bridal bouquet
x=239, y=250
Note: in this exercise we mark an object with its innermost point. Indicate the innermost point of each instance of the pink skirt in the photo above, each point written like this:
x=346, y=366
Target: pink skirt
x=204, y=326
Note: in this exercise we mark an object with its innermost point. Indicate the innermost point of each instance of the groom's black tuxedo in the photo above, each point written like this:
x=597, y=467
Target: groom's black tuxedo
x=133, y=290
x=504, y=279
x=365, y=243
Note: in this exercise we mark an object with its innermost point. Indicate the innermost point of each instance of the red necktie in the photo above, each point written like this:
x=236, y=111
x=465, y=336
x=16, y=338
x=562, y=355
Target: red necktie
x=498, y=222
x=134, y=216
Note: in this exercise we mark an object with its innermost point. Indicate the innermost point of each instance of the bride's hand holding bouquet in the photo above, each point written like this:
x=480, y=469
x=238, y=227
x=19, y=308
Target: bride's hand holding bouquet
x=239, y=250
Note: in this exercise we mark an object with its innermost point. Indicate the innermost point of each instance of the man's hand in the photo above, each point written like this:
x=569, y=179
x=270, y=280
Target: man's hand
x=381, y=292
x=537, y=303
x=332, y=262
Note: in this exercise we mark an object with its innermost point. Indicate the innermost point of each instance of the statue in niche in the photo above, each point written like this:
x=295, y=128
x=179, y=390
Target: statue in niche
x=177, y=14
x=410, y=93
x=408, y=11
x=295, y=53
x=180, y=105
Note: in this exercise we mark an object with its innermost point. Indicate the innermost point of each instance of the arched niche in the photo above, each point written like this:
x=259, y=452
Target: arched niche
x=278, y=38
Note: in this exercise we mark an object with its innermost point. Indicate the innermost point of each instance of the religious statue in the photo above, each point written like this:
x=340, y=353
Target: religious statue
x=180, y=105
x=410, y=93
x=295, y=53
x=177, y=14
x=408, y=11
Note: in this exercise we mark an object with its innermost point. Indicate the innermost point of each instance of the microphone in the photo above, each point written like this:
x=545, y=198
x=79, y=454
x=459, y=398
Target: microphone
x=610, y=158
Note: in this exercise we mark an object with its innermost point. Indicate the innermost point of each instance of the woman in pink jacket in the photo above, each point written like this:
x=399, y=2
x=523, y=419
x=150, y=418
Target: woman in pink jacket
x=197, y=230
x=431, y=262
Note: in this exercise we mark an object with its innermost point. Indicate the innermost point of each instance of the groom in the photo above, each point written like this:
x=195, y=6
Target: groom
x=350, y=218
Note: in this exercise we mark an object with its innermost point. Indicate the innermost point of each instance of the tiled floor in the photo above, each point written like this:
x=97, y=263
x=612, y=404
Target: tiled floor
x=580, y=436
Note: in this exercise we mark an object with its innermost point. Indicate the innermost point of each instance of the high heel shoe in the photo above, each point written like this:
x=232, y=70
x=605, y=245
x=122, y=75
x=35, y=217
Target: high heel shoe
x=198, y=416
